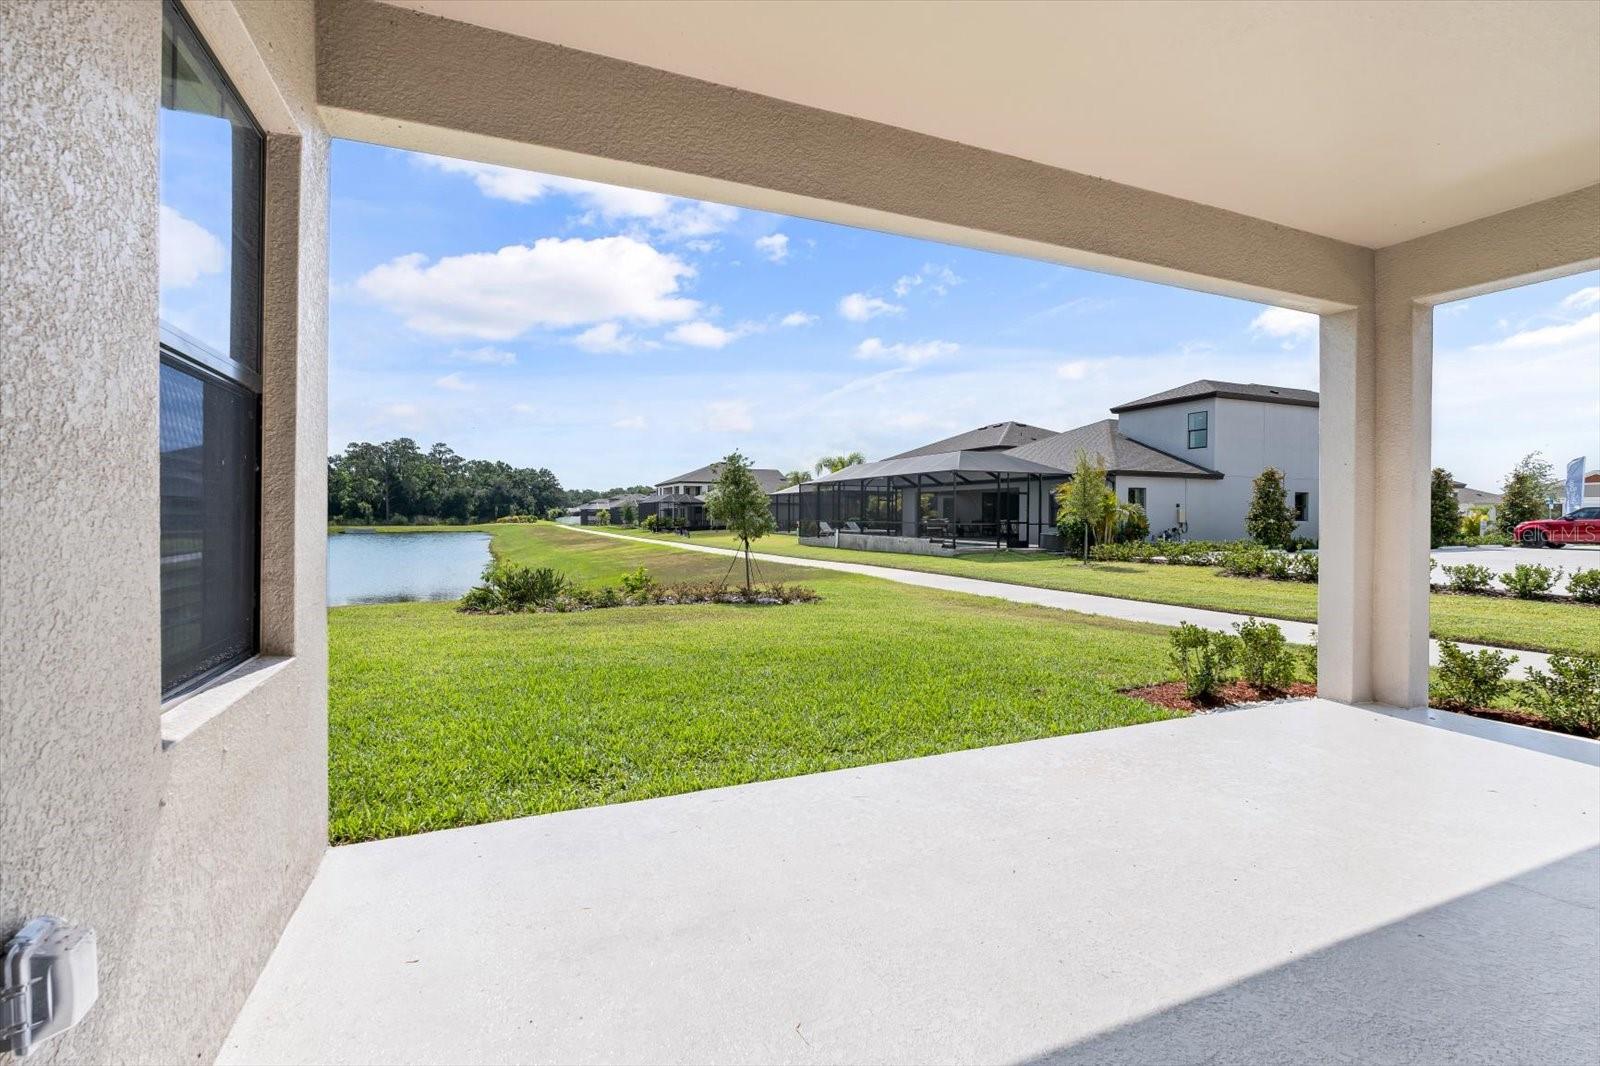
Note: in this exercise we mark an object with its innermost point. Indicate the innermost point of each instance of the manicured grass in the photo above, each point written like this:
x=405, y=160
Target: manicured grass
x=1536, y=625
x=441, y=719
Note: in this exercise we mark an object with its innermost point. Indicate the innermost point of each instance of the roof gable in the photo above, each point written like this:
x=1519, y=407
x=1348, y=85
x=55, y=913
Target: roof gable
x=1119, y=454
x=1227, y=390
x=997, y=436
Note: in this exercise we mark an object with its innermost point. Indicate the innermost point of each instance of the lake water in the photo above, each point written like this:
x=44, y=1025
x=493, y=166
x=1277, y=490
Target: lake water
x=399, y=567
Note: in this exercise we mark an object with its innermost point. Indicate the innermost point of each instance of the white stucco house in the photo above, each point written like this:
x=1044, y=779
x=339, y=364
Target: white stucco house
x=1189, y=456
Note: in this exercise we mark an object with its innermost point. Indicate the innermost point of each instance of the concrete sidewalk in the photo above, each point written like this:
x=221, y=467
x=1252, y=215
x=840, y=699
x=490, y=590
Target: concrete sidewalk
x=1161, y=614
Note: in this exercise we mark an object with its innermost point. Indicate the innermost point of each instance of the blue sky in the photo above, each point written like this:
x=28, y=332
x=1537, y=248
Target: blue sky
x=619, y=336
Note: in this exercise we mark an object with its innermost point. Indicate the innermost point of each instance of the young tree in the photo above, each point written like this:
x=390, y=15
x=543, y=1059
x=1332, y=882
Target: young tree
x=602, y=517
x=1523, y=496
x=1084, y=501
x=1269, y=521
x=741, y=505
x=834, y=463
x=630, y=514
x=1444, y=509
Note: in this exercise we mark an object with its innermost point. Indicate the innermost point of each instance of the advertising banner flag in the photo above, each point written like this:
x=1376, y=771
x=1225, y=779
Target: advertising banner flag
x=1574, y=498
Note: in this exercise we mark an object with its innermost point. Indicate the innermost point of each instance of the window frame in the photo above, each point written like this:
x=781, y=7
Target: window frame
x=1302, y=506
x=1139, y=496
x=187, y=354
x=1204, y=429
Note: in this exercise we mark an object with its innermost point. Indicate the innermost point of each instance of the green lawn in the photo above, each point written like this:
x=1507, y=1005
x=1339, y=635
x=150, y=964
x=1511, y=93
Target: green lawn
x=441, y=719
x=1533, y=624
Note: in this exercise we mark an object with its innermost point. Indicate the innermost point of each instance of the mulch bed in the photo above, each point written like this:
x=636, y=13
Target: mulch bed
x=1170, y=694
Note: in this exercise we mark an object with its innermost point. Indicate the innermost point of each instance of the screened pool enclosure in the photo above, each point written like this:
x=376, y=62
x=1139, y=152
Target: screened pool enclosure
x=948, y=501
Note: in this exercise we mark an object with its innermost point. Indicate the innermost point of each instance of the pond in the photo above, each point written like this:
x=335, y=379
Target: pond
x=400, y=567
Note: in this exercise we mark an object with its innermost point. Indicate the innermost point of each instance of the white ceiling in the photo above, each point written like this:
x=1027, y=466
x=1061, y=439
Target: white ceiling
x=1369, y=122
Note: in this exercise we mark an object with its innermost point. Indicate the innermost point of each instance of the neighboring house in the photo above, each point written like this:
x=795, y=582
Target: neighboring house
x=680, y=501
x=1591, y=487
x=1189, y=456
x=589, y=513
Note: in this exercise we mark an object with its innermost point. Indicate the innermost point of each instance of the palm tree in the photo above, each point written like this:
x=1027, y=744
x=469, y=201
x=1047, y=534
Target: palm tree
x=797, y=477
x=832, y=464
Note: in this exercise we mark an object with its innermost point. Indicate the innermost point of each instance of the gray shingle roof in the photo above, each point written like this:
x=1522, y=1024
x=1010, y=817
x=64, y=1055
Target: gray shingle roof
x=1227, y=390
x=1121, y=455
x=768, y=478
x=1469, y=497
x=612, y=501
x=967, y=462
x=997, y=437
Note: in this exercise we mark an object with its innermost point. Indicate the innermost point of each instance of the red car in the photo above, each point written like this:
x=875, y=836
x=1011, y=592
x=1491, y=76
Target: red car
x=1578, y=527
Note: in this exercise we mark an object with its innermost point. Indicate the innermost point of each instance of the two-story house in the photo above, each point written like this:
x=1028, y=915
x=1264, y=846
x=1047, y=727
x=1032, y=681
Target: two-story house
x=681, y=500
x=1188, y=456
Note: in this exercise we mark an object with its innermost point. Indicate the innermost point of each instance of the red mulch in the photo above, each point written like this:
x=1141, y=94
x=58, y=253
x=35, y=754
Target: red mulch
x=1170, y=694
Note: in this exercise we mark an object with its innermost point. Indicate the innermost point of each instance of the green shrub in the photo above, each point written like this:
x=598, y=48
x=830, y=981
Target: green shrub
x=1468, y=577
x=511, y=587
x=1311, y=658
x=1264, y=657
x=1184, y=552
x=1569, y=695
x=1585, y=586
x=519, y=518
x=650, y=523
x=638, y=582
x=1529, y=580
x=1470, y=679
x=1133, y=526
x=1204, y=659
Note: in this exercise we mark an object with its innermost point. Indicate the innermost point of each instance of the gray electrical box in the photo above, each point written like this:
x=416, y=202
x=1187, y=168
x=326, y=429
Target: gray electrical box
x=48, y=982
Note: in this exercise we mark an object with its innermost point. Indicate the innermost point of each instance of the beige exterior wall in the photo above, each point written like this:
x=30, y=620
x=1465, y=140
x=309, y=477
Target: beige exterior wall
x=187, y=837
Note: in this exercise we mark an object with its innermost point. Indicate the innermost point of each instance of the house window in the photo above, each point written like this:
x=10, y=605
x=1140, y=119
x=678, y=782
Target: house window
x=1137, y=497
x=1302, y=506
x=1199, y=423
x=212, y=155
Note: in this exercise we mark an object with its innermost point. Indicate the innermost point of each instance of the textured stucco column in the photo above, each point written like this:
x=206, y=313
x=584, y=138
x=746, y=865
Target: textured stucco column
x=1345, y=457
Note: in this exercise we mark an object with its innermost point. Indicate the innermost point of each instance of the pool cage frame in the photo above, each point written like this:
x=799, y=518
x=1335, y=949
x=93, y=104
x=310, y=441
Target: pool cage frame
x=1002, y=509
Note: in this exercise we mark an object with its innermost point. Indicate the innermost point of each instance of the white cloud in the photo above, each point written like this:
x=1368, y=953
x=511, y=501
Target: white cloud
x=485, y=356
x=1285, y=324
x=1582, y=299
x=939, y=279
x=1585, y=330
x=453, y=383
x=859, y=307
x=1076, y=370
x=797, y=318
x=631, y=422
x=552, y=283
x=402, y=411
x=608, y=339
x=911, y=354
x=704, y=335
x=729, y=416
x=188, y=251
x=775, y=246
x=670, y=216
x=701, y=245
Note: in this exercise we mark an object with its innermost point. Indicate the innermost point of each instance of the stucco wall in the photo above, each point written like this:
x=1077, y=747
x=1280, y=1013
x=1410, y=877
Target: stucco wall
x=184, y=838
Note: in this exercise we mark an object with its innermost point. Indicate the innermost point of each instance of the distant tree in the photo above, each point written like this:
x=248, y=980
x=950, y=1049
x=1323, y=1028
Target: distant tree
x=630, y=514
x=1524, y=494
x=1084, y=501
x=797, y=477
x=602, y=517
x=1269, y=521
x=741, y=505
x=832, y=464
x=1444, y=510
x=555, y=514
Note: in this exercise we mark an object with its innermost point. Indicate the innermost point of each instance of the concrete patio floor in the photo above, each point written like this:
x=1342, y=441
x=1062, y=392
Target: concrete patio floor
x=1299, y=882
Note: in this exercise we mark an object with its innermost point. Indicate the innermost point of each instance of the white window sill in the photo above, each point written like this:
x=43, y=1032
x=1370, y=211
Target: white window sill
x=183, y=716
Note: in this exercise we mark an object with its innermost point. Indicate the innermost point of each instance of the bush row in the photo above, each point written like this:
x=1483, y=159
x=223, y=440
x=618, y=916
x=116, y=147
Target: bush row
x=1256, y=652
x=1526, y=581
x=1568, y=696
x=509, y=588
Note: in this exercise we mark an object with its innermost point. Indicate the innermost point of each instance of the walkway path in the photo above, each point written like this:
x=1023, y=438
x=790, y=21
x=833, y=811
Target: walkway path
x=1161, y=614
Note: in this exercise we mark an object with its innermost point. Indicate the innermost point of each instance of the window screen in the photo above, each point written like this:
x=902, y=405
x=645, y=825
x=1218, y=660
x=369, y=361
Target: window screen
x=210, y=268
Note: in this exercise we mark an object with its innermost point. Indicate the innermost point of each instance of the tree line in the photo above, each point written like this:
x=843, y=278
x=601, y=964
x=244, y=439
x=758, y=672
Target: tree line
x=396, y=481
